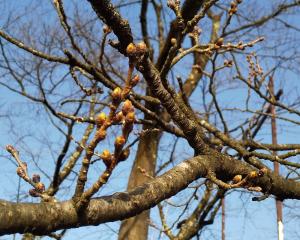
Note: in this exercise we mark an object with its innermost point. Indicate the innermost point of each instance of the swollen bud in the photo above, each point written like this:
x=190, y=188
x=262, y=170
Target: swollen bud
x=40, y=187
x=117, y=94
x=124, y=154
x=173, y=41
x=33, y=193
x=10, y=149
x=101, y=118
x=130, y=117
x=141, y=47
x=220, y=42
x=237, y=178
x=21, y=173
x=120, y=141
x=36, y=178
x=253, y=174
x=131, y=49
x=171, y=4
x=118, y=117
x=127, y=107
x=134, y=81
x=106, y=157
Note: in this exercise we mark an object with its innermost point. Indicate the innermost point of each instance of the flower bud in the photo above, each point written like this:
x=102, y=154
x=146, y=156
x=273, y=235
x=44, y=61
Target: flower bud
x=120, y=141
x=253, y=174
x=124, y=154
x=21, y=173
x=127, y=107
x=33, y=193
x=105, y=155
x=141, y=47
x=262, y=172
x=173, y=41
x=131, y=49
x=233, y=4
x=118, y=117
x=237, y=178
x=134, y=81
x=130, y=117
x=36, y=178
x=10, y=149
x=101, y=118
x=117, y=94
x=220, y=42
x=40, y=187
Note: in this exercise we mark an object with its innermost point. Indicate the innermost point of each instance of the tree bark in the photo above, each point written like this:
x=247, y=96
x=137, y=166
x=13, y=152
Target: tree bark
x=43, y=218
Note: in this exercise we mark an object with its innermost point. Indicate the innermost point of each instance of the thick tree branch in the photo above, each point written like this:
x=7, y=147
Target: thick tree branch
x=44, y=218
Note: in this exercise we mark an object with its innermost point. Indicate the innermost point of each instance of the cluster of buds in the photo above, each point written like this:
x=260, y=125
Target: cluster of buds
x=126, y=115
x=246, y=182
x=233, y=7
x=38, y=189
x=34, y=181
x=255, y=69
x=136, y=50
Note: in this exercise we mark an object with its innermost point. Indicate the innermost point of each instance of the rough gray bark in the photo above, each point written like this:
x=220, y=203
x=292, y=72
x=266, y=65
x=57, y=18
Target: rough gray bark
x=44, y=218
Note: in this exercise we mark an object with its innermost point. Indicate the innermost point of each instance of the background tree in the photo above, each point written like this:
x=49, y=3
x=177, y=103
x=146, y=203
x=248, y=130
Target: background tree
x=167, y=84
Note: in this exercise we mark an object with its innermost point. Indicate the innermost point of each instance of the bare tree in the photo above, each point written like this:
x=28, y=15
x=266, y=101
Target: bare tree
x=192, y=74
